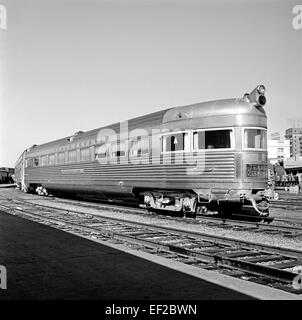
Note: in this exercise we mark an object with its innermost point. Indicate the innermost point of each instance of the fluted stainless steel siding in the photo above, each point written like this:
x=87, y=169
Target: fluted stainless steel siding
x=218, y=167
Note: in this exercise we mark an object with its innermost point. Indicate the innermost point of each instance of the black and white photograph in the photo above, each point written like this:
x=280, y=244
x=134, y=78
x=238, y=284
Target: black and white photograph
x=150, y=153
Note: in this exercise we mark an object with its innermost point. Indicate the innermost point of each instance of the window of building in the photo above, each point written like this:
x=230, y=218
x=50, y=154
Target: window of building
x=212, y=139
x=51, y=159
x=85, y=154
x=175, y=142
x=280, y=150
x=255, y=139
x=36, y=162
x=72, y=156
x=61, y=157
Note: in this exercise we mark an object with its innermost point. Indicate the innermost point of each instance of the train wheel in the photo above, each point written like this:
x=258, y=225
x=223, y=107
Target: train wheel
x=25, y=188
x=41, y=191
x=261, y=207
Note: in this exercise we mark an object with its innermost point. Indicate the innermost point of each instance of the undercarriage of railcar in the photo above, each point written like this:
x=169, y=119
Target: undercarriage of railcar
x=207, y=201
x=188, y=202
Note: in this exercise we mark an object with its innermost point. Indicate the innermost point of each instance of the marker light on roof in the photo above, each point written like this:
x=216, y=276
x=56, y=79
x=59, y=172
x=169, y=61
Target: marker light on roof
x=261, y=89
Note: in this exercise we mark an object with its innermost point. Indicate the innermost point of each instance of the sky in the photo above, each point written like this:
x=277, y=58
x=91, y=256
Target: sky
x=77, y=65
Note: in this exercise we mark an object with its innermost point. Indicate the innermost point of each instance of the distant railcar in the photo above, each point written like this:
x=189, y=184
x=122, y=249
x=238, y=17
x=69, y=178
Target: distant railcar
x=6, y=175
x=205, y=156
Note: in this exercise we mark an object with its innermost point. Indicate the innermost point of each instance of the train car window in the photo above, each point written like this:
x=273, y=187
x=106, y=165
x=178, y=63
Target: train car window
x=31, y=162
x=255, y=139
x=175, y=142
x=118, y=150
x=28, y=163
x=101, y=151
x=61, y=157
x=72, y=156
x=44, y=161
x=140, y=146
x=212, y=139
x=85, y=154
x=51, y=159
x=36, y=162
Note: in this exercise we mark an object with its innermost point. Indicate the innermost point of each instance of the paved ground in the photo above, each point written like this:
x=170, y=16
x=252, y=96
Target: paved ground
x=45, y=263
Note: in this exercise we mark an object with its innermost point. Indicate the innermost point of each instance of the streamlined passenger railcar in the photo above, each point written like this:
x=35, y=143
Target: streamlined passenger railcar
x=205, y=156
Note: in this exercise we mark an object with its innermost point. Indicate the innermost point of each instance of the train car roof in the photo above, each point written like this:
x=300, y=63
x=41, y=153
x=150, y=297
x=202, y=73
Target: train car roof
x=213, y=108
x=138, y=122
x=197, y=110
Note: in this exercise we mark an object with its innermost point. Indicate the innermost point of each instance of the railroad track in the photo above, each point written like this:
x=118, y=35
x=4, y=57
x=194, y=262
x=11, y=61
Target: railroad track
x=256, y=226
x=286, y=203
x=264, y=264
x=242, y=222
x=238, y=222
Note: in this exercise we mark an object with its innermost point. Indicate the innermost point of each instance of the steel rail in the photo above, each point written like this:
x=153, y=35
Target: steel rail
x=279, y=203
x=290, y=231
x=248, y=244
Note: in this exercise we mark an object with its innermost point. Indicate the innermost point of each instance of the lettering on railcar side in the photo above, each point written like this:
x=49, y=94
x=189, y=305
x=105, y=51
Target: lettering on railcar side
x=72, y=171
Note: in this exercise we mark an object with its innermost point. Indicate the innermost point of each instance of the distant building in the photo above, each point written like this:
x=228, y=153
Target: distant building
x=275, y=136
x=294, y=135
x=293, y=165
x=278, y=150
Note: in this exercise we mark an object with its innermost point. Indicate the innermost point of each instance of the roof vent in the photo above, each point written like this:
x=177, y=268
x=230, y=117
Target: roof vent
x=182, y=115
x=78, y=133
x=30, y=148
x=70, y=139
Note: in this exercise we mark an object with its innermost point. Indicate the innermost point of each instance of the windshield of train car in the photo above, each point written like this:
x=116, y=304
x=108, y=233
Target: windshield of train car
x=255, y=138
x=212, y=139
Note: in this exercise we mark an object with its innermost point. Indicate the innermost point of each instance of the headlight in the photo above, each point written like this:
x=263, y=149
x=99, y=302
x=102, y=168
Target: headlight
x=262, y=100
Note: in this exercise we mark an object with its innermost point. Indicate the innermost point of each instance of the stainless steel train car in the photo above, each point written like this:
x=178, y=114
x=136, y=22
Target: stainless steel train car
x=202, y=157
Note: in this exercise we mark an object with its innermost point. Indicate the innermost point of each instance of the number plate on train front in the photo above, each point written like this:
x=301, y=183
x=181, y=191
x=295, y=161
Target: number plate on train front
x=256, y=170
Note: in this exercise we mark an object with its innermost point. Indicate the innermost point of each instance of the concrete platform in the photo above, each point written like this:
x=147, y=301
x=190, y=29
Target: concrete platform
x=46, y=263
